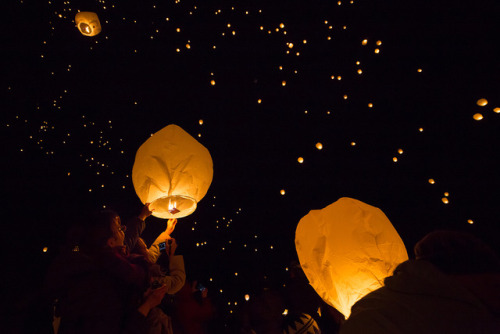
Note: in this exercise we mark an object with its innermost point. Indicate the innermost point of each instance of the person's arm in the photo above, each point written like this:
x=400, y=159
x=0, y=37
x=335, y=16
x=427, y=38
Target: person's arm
x=154, y=250
x=177, y=273
x=135, y=227
x=153, y=299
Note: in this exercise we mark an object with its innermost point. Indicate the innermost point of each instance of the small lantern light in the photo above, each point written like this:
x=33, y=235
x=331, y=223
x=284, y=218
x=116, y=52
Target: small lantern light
x=88, y=23
x=173, y=172
x=478, y=117
x=346, y=251
x=482, y=102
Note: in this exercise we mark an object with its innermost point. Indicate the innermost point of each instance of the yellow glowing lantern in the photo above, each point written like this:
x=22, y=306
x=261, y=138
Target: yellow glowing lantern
x=300, y=160
x=478, y=117
x=319, y=146
x=445, y=200
x=283, y=83
x=497, y=110
x=212, y=82
x=379, y=43
x=400, y=151
x=173, y=172
x=482, y=102
x=431, y=181
x=88, y=23
x=247, y=297
x=364, y=42
x=470, y=221
x=370, y=105
x=200, y=121
x=346, y=250
x=282, y=191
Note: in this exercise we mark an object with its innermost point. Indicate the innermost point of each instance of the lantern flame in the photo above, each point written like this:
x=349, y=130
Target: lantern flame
x=172, y=207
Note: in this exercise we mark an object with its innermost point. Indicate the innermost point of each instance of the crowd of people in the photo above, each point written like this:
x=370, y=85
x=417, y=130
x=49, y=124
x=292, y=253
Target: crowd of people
x=109, y=281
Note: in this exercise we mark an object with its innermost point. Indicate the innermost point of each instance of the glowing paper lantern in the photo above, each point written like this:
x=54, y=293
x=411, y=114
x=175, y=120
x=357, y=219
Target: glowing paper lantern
x=482, y=102
x=346, y=250
x=478, y=117
x=173, y=172
x=303, y=324
x=88, y=23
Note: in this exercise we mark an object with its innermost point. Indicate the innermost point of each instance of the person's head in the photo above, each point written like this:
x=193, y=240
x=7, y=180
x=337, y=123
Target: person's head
x=456, y=252
x=103, y=229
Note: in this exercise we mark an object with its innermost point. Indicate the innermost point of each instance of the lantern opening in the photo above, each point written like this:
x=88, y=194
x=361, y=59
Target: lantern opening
x=175, y=206
x=85, y=28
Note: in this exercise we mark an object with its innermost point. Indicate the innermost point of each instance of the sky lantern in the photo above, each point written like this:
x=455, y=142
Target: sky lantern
x=300, y=160
x=319, y=146
x=478, y=117
x=88, y=23
x=482, y=102
x=346, y=250
x=497, y=110
x=173, y=172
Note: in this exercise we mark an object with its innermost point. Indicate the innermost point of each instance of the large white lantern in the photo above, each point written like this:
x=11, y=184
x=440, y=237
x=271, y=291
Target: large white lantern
x=346, y=250
x=173, y=172
x=88, y=23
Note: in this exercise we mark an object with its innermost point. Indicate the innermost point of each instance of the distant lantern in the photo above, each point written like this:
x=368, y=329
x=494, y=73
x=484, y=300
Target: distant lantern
x=346, y=250
x=482, y=102
x=470, y=221
x=478, y=117
x=364, y=42
x=282, y=191
x=400, y=151
x=395, y=159
x=379, y=43
x=247, y=297
x=319, y=146
x=212, y=82
x=200, y=121
x=497, y=110
x=173, y=172
x=88, y=23
x=445, y=200
x=431, y=181
x=370, y=105
x=300, y=160
x=283, y=83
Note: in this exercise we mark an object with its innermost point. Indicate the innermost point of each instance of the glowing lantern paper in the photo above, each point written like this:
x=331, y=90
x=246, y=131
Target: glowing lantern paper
x=346, y=250
x=482, y=102
x=173, y=172
x=88, y=23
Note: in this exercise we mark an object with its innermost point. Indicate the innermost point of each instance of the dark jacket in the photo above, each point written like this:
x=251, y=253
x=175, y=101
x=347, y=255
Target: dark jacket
x=419, y=298
x=98, y=294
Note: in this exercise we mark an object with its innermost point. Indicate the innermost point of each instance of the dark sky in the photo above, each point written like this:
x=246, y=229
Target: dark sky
x=71, y=104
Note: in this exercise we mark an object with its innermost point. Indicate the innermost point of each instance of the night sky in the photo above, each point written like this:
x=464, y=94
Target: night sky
x=389, y=88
